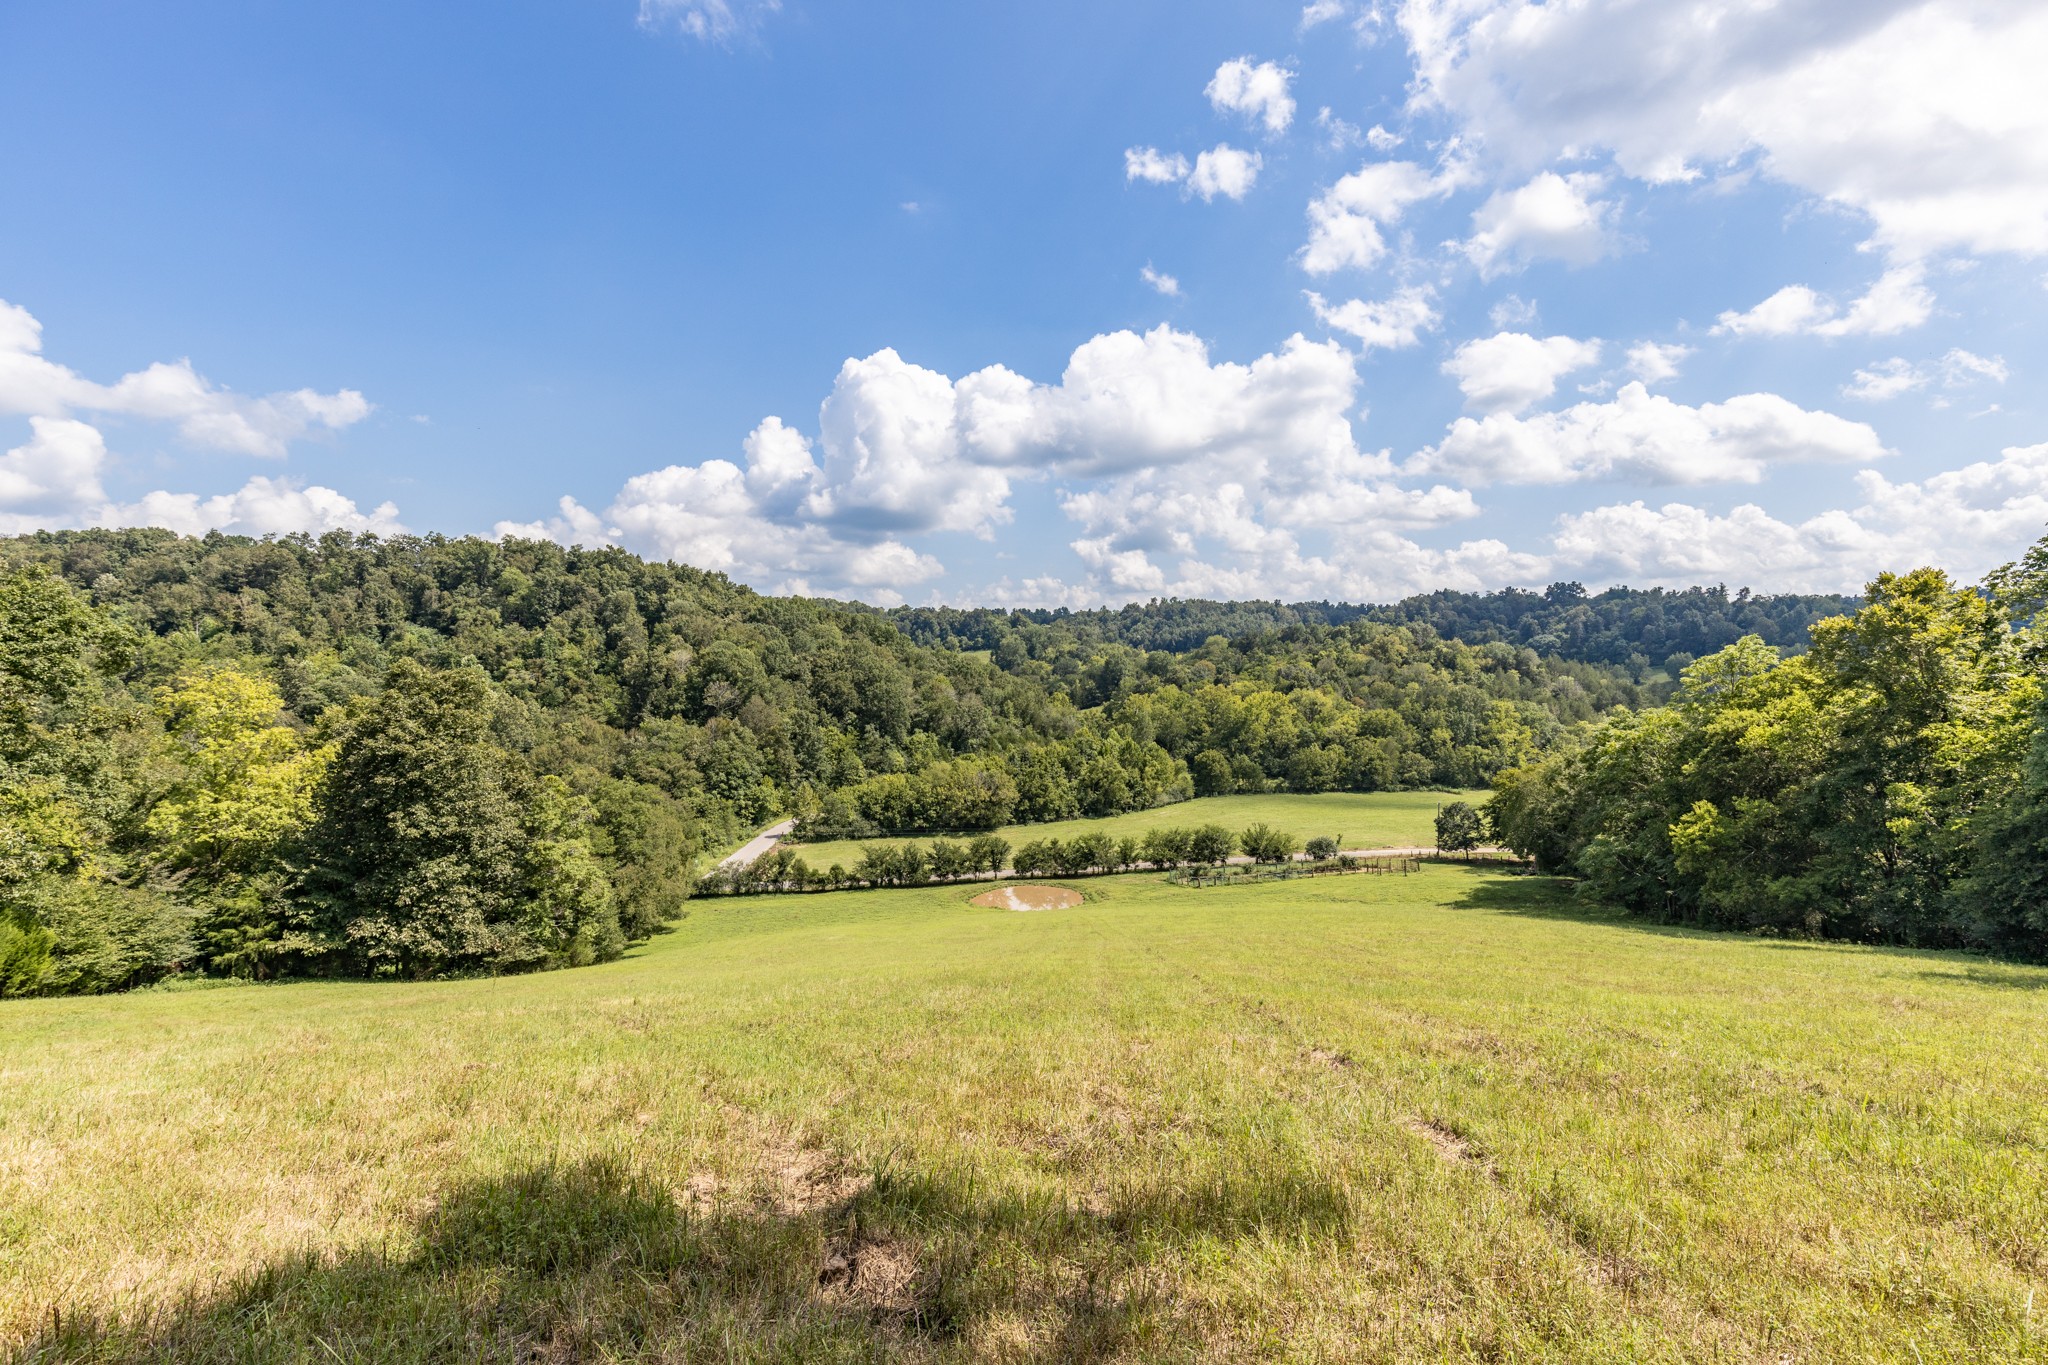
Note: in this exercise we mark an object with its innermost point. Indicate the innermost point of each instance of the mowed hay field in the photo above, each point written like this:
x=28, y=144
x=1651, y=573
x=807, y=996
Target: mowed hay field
x=1361, y=819
x=1440, y=1117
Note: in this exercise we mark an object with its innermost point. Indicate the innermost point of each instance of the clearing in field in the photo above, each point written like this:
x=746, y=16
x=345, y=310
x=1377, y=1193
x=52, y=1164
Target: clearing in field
x=1028, y=898
x=1361, y=819
x=1444, y=1117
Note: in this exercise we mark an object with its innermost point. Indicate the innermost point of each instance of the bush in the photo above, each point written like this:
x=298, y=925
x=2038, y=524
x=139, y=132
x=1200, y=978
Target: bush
x=948, y=859
x=1166, y=847
x=988, y=853
x=1262, y=843
x=69, y=936
x=1322, y=848
x=1211, y=844
x=1038, y=857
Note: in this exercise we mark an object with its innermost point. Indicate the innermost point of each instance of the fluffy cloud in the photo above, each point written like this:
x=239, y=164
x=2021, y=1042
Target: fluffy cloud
x=261, y=507
x=1639, y=435
x=1954, y=155
x=716, y=21
x=1321, y=12
x=1224, y=170
x=1345, y=221
x=1553, y=217
x=1654, y=362
x=1257, y=93
x=1160, y=281
x=54, y=481
x=54, y=478
x=1147, y=426
x=1386, y=324
x=1153, y=167
x=172, y=392
x=1897, y=302
x=1510, y=370
x=1967, y=520
x=1129, y=402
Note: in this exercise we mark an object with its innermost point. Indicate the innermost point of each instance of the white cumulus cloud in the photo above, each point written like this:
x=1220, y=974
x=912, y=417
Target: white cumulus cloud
x=1257, y=92
x=167, y=391
x=1384, y=324
x=1967, y=520
x=1923, y=115
x=1224, y=170
x=1154, y=167
x=1346, y=220
x=1645, y=436
x=1655, y=362
x=1897, y=302
x=1553, y=217
x=1508, y=371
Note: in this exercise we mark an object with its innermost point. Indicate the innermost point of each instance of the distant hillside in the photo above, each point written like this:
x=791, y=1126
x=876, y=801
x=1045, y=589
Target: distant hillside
x=419, y=755
x=1637, y=628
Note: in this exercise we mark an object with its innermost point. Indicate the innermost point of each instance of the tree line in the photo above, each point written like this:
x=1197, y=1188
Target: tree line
x=419, y=756
x=1089, y=853
x=1636, y=628
x=1889, y=785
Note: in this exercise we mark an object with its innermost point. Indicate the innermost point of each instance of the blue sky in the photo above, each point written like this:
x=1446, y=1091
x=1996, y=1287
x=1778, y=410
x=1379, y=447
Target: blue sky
x=1041, y=304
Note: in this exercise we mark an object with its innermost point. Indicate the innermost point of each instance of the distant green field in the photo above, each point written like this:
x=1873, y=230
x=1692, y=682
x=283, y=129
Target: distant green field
x=1361, y=819
x=1448, y=1117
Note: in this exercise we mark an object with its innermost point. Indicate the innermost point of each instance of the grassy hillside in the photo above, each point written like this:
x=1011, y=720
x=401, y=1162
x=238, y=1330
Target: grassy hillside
x=1363, y=819
x=1442, y=1117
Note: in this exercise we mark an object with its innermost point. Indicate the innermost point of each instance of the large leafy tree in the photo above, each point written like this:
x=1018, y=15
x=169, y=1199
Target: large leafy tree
x=433, y=851
x=1889, y=785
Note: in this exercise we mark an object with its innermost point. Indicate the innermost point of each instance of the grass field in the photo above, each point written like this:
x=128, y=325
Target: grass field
x=1445, y=1117
x=1363, y=819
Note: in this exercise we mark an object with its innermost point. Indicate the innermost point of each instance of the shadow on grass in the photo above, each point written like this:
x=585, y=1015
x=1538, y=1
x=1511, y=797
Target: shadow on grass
x=598, y=1262
x=1995, y=975
x=1541, y=897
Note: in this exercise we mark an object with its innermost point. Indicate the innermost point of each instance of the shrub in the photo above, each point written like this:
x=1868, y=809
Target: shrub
x=1166, y=847
x=1263, y=843
x=988, y=853
x=947, y=859
x=1322, y=848
x=1038, y=857
x=1211, y=844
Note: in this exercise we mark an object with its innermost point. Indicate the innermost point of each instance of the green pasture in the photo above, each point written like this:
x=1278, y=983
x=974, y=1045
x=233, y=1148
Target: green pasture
x=1362, y=819
x=1443, y=1117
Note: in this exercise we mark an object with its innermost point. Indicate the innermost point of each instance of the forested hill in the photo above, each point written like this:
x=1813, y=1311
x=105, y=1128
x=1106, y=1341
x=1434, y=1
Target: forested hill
x=421, y=755
x=1636, y=628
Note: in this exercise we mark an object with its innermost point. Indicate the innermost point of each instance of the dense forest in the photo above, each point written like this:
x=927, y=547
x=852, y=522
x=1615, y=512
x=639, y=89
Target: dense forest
x=1889, y=785
x=421, y=756
x=1636, y=628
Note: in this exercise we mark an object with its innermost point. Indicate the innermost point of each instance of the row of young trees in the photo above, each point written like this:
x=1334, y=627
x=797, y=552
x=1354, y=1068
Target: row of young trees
x=1890, y=785
x=1085, y=854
